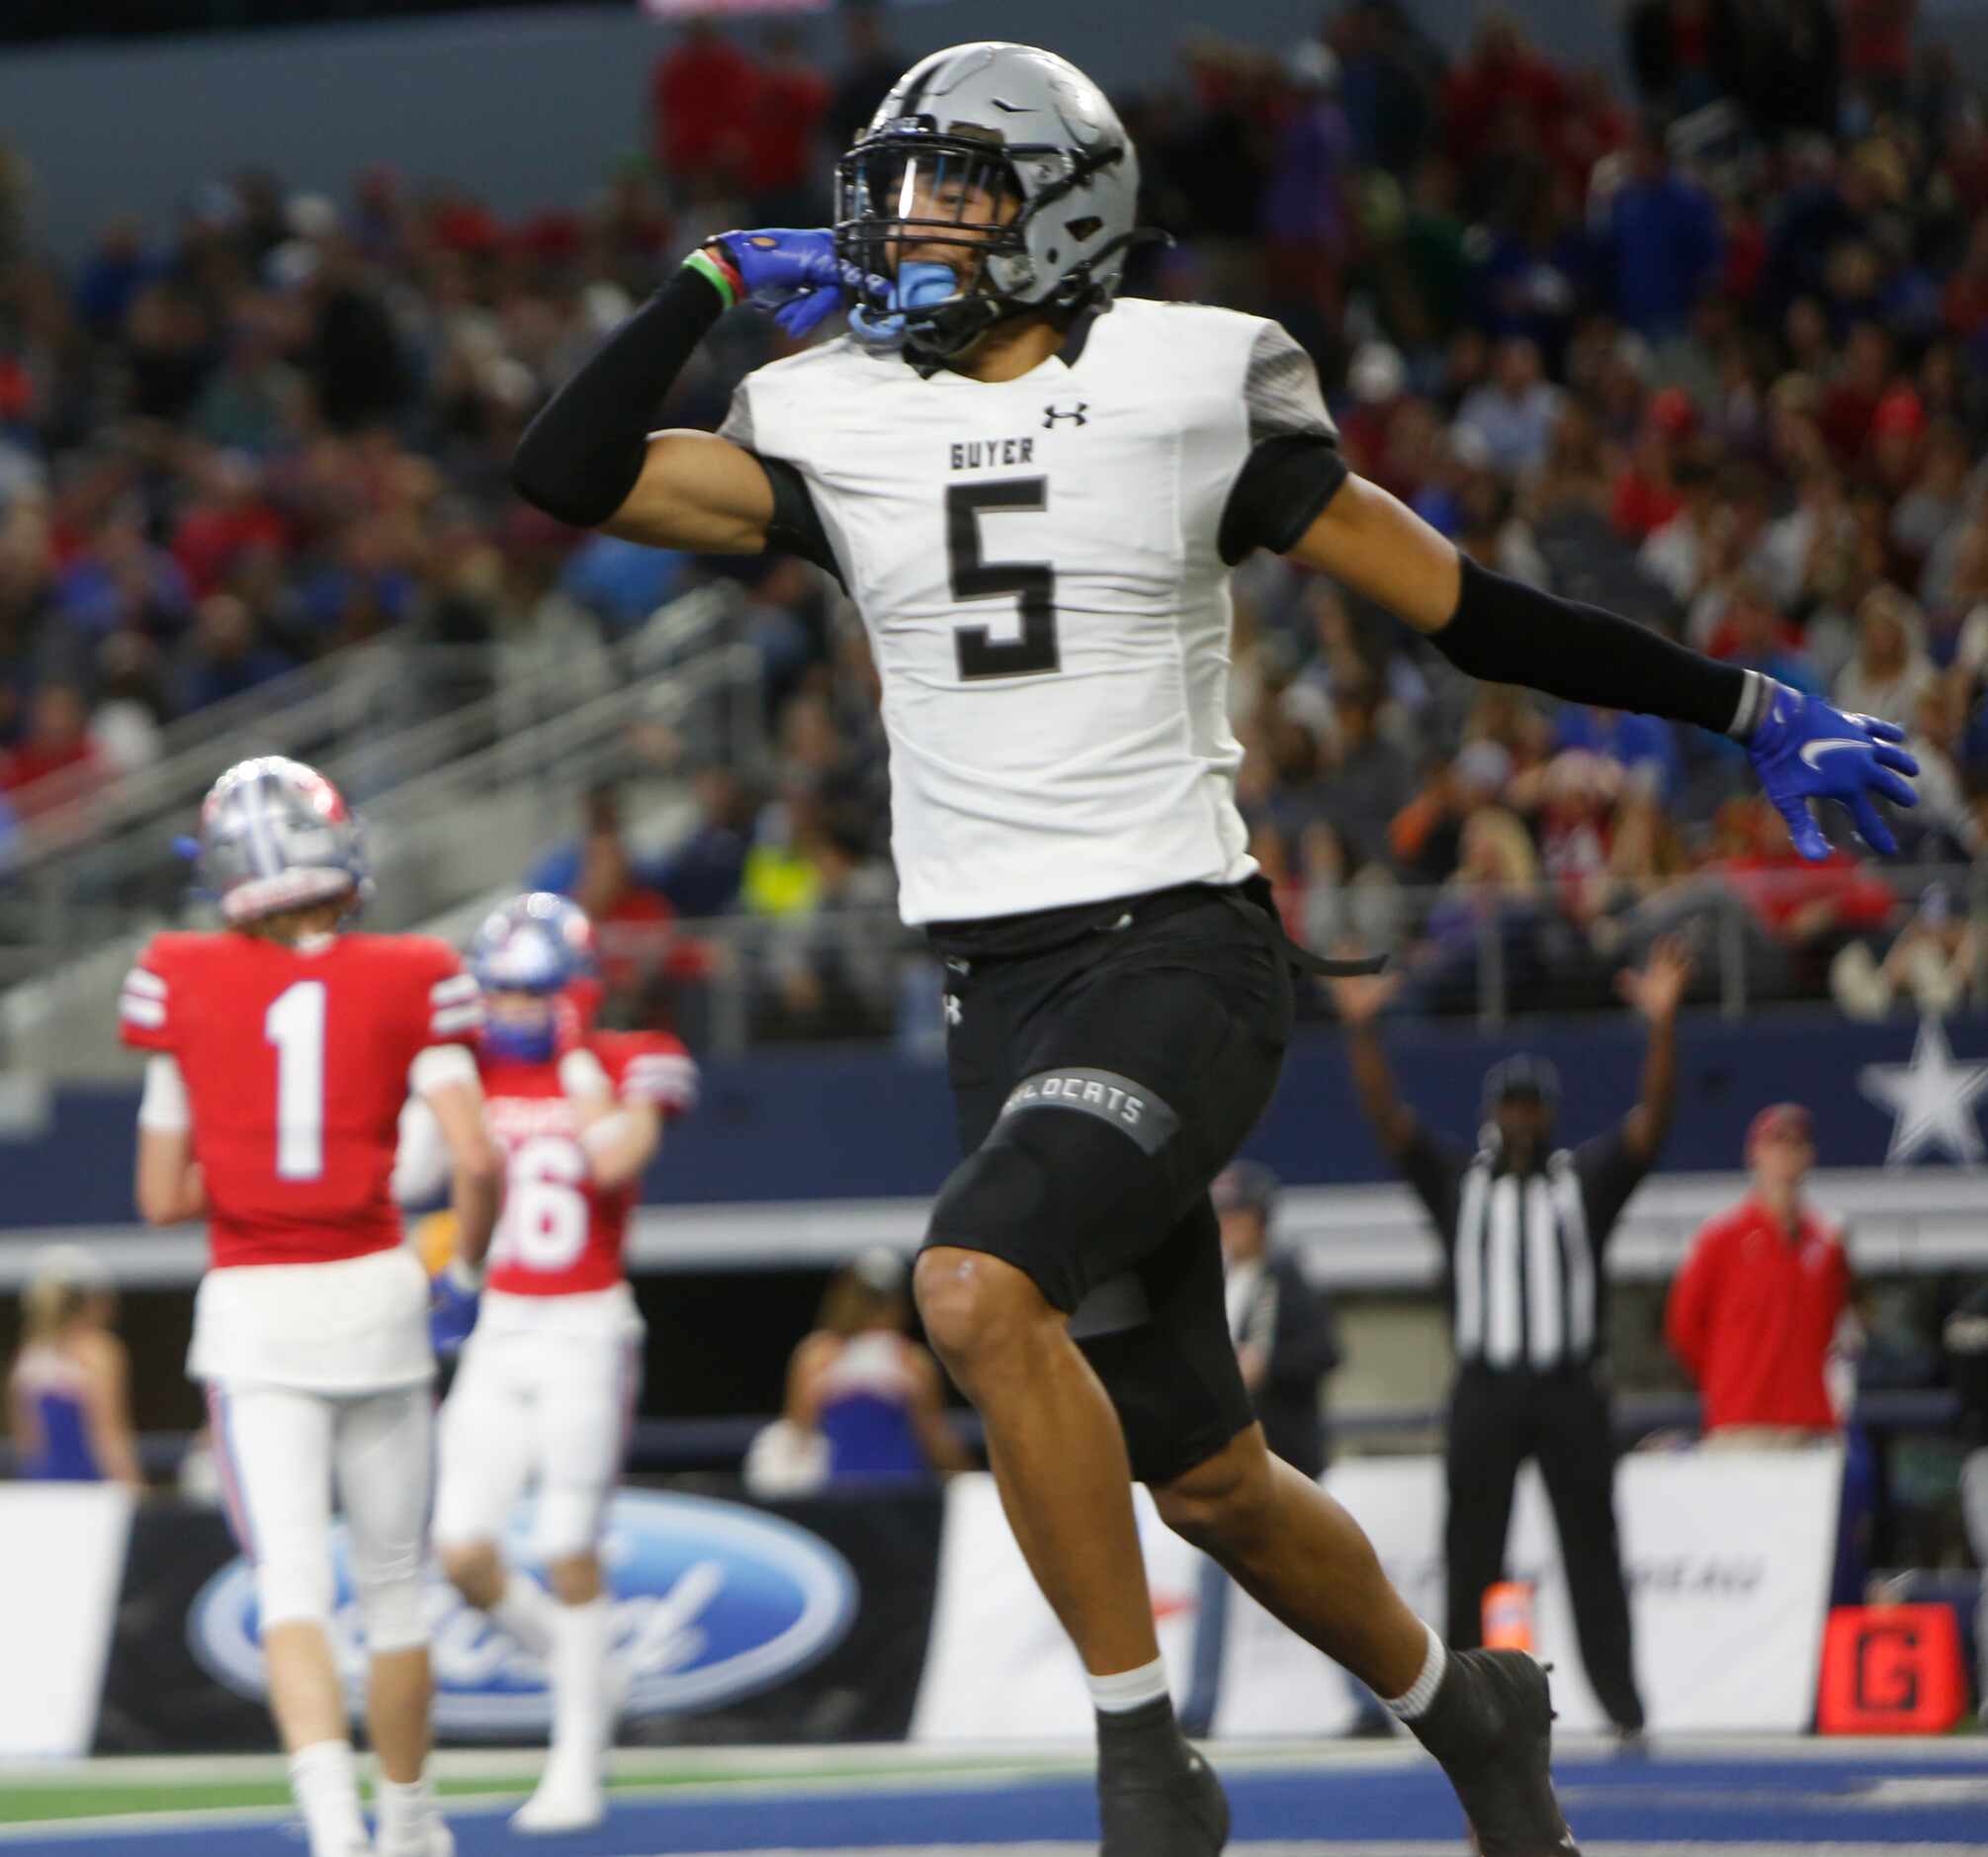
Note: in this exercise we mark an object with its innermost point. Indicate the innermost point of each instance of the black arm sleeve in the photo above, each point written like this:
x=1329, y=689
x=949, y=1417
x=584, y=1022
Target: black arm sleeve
x=582, y=456
x=1278, y=494
x=1507, y=633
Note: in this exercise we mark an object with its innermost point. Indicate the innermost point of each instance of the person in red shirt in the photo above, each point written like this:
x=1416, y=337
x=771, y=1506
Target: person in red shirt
x=548, y=1385
x=281, y=1051
x=1754, y=1313
x=704, y=93
x=58, y=741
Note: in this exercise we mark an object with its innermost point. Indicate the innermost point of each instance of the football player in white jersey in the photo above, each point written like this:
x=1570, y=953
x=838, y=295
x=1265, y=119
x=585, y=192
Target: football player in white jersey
x=1034, y=494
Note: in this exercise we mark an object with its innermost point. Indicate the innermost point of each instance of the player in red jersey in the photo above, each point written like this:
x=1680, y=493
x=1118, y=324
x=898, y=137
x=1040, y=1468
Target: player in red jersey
x=282, y=1052
x=549, y=1378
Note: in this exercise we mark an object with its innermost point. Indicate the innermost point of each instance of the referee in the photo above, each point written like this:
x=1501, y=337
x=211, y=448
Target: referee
x=1524, y=1227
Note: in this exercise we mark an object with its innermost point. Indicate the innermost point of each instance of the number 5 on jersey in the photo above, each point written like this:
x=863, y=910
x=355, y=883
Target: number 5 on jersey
x=1032, y=584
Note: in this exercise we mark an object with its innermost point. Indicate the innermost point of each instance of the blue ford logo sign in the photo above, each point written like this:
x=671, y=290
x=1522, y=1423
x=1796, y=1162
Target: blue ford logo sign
x=713, y=1601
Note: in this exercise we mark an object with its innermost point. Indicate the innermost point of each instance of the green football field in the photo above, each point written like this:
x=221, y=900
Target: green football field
x=123, y=1788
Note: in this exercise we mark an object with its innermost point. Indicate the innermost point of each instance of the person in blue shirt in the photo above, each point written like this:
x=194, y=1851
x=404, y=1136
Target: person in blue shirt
x=1664, y=244
x=871, y=1395
x=69, y=1405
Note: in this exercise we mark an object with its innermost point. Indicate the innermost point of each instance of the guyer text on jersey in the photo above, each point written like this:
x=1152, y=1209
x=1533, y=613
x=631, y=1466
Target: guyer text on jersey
x=977, y=454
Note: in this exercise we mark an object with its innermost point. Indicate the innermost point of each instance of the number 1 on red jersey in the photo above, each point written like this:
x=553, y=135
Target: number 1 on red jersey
x=295, y=1024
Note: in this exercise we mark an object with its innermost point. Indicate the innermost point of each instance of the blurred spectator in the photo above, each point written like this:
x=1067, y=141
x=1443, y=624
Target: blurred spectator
x=790, y=101
x=1515, y=412
x=1754, y=1313
x=701, y=874
x=56, y=741
x=623, y=893
x=1368, y=778
x=1890, y=672
x=1940, y=962
x=1878, y=48
x=705, y=97
x=865, y=1403
x=69, y=1405
x=1663, y=242
x=1502, y=82
x=1286, y=1340
x=223, y=654
x=870, y=66
x=1687, y=54
x=1306, y=205
x=1753, y=634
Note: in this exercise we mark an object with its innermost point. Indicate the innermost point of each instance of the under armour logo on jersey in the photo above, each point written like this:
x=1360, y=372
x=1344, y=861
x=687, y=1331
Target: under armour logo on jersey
x=1050, y=414
x=952, y=1009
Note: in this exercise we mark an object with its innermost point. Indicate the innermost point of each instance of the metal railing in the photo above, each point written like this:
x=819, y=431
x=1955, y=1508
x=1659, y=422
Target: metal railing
x=1459, y=951
x=98, y=861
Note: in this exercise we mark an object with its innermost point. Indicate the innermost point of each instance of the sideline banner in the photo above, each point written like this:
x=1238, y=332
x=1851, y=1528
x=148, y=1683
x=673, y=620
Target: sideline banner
x=744, y=1622
x=63, y=1546
x=1001, y=1668
x=1728, y=1557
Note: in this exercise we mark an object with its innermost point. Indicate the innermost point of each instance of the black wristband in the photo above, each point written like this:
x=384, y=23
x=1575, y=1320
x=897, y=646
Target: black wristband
x=582, y=456
x=1507, y=633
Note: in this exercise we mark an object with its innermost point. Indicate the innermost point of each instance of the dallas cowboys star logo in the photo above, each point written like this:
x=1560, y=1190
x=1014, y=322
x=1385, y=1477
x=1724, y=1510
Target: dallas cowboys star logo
x=1931, y=1099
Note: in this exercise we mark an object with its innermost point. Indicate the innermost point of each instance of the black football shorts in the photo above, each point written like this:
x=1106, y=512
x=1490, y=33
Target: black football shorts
x=1106, y=1064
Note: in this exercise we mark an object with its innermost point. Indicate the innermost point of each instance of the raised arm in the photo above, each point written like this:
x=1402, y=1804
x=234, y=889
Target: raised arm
x=589, y=456
x=620, y=1137
x=1655, y=992
x=1360, y=1001
x=1507, y=633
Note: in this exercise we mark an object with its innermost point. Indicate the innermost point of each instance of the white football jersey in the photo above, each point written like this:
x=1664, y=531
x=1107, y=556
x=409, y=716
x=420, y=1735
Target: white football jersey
x=1037, y=563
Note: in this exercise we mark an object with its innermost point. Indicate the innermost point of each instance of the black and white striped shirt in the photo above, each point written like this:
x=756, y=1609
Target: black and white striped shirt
x=1525, y=1251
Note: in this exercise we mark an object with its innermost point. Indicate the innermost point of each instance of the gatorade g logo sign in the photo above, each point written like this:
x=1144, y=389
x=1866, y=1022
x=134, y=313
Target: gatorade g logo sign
x=1887, y=1668
x=1891, y=1670
x=713, y=1601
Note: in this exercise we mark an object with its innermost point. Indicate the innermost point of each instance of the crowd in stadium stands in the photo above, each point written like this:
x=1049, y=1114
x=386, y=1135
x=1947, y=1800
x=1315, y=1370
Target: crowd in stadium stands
x=1714, y=354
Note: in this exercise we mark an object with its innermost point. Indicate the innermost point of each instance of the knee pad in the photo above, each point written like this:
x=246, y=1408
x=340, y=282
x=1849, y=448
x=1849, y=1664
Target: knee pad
x=294, y=1586
x=393, y=1614
x=569, y=1519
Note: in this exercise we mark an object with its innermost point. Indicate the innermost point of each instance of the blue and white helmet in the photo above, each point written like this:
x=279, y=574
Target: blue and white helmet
x=275, y=835
x=534, y=943
x=539, y=944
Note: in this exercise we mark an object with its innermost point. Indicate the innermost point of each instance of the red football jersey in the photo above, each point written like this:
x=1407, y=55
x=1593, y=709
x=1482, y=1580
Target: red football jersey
x=1753, y=1315
x=560, y=1235
x=296, y=1066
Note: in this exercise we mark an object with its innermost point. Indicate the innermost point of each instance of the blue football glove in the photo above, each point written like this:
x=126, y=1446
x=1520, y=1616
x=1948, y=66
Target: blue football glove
x=793, y=273
x=451, y=1310
x=1803, y=750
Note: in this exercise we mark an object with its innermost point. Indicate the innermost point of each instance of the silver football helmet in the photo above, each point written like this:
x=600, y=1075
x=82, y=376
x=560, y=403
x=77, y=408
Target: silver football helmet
x=275, y=835
x=1009, y=161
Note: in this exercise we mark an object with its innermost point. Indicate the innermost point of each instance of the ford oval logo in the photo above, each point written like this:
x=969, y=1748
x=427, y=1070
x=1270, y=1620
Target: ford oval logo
x=713, y=1601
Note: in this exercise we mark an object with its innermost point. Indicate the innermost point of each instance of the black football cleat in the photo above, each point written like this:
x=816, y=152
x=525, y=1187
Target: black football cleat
x=1156, y=1796
x=1491, y=1729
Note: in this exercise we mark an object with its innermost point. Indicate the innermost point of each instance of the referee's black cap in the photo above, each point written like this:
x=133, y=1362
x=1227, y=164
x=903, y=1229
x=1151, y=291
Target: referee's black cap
x=1523, y=1076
